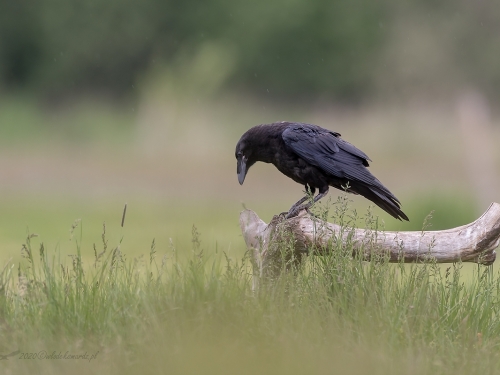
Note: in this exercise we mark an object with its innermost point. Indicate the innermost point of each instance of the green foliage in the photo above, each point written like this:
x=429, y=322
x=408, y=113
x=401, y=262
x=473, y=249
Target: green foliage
x=284, y=47
x=277, y=49
x=281, y=48
x=20, y=41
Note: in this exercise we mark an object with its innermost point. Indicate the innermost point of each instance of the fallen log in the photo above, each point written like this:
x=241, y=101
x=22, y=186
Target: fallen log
x=306, y=234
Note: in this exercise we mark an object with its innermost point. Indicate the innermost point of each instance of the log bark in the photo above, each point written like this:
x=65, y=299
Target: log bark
x=282, y=243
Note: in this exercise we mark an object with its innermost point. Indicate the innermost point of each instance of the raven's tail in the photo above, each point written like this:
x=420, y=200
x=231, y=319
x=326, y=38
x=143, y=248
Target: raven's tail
x=382, y=197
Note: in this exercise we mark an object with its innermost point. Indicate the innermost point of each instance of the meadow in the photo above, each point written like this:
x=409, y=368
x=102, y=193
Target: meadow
x=170, y=291
x=199, y=314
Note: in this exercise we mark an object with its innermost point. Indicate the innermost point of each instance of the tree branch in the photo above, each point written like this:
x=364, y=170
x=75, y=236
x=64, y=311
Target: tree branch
x=305, y=234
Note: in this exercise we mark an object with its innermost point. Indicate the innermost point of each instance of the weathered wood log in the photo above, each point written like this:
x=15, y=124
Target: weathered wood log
x=305, y=234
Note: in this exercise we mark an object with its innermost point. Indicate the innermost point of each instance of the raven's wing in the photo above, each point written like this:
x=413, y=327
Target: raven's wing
x=327, y=151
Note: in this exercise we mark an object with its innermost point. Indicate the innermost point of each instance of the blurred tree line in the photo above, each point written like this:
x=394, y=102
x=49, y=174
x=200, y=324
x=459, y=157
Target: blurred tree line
x=292, y=48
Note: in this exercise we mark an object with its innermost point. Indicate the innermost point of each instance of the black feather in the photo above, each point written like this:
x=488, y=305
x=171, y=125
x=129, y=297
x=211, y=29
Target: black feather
x=316, y=158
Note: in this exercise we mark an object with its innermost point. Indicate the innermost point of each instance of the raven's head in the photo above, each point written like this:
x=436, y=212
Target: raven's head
x=243, y=159
x=257, y=144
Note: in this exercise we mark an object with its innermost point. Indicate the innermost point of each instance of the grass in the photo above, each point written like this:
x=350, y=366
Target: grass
x=185, y=305
x=160, y=312
x=51, y=219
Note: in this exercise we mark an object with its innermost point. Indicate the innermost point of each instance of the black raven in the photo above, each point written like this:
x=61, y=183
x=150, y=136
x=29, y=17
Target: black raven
x=316, y=158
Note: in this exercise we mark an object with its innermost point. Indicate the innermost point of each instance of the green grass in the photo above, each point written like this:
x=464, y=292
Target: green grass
x=161, y=312
x=167, y=223
x=197, y=313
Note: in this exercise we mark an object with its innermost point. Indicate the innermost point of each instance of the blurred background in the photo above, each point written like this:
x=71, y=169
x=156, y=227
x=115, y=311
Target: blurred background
x=109, y=102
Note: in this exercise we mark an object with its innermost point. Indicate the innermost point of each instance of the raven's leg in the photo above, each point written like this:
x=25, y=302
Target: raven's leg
x=309, y=191
x=297, y=207
x=302, y=200
x=299, y=202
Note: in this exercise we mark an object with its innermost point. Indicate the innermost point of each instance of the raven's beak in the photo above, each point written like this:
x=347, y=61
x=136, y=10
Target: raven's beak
x=241, y=169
